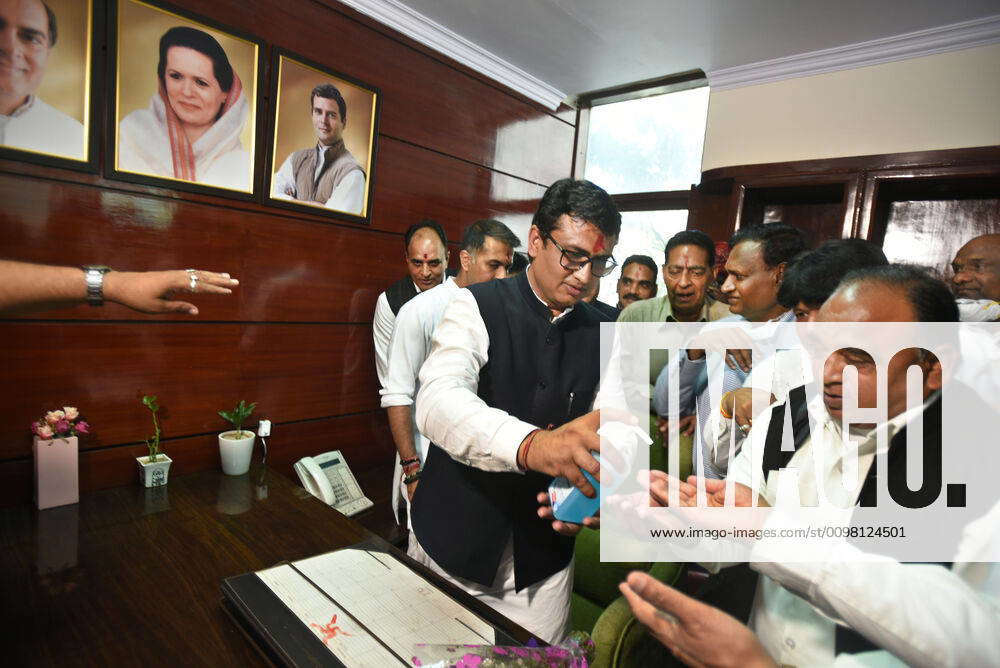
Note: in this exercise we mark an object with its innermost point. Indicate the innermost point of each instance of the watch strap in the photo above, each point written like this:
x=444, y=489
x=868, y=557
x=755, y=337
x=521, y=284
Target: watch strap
x=94, y=277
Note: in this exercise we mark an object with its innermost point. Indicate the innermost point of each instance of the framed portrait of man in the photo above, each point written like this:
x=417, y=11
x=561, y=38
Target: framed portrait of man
x=324, y=135
x=185, y=107
x=47, y=83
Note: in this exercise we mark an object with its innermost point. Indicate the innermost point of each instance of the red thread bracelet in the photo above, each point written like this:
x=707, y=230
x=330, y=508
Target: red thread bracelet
x=527, y=447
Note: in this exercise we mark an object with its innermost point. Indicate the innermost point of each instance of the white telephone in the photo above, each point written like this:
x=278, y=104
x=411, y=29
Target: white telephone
x=328, y=478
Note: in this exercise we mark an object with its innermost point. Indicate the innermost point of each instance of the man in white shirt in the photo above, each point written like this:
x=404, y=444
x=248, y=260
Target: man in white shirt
x=836, y=610
x=28, y=32
x=425, y=251
x=505, y=398
x=487, y=251
x=327, y=173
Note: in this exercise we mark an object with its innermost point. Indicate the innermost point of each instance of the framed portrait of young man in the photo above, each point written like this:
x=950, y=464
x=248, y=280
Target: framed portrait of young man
x=324, y=135
x=48, y=88
x=185, y=101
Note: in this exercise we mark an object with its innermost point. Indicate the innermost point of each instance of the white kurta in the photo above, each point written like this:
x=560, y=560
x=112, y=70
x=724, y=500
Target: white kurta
x=408, y=348
x=347, y=196
x=36, y=126
x=924, y=614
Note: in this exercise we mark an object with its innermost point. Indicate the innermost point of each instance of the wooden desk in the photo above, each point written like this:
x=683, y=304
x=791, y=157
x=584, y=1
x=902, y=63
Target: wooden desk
x=131, y=576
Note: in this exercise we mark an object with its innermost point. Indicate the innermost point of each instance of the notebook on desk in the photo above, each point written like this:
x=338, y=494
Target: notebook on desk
x=359, y=606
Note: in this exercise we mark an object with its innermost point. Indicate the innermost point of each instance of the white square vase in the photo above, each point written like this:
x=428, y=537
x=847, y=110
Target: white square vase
x=57, y=471
x=154, y=474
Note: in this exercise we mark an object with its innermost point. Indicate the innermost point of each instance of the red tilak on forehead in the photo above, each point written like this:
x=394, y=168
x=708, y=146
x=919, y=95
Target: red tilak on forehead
x=425, y=256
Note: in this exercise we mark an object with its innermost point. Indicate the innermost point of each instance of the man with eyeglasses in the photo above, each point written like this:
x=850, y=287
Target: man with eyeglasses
x=505, y=398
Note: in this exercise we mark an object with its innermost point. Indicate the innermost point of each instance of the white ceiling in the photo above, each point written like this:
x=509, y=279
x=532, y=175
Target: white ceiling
x=582, y=45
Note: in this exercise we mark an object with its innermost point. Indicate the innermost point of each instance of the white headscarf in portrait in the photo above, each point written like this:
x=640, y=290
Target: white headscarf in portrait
x=153, y=141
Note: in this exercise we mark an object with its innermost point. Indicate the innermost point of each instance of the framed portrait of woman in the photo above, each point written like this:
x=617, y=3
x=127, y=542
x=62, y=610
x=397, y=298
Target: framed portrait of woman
x=185, y=107
x=48, y=88
x=324, y=135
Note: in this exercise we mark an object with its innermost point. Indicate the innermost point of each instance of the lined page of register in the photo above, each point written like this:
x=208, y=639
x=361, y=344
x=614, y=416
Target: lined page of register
x=371, y=609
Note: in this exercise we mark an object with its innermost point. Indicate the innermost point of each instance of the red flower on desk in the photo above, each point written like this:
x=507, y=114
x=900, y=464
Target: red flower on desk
x=330, y=630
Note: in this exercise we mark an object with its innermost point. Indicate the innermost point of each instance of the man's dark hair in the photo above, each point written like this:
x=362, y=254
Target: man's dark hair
x=930, y=298
x=813, y=276
x=429, y=224
x=204, y=44
x=779, y=242
x=330, y=92
x=691, y=238
x=518, y=264
x=644, y=260
x=53, y=28
x=476, y=233
x=580, y=199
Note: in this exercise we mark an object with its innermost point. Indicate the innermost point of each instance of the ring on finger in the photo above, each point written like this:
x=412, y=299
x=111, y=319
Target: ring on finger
x=193, y=285
x=744, y=428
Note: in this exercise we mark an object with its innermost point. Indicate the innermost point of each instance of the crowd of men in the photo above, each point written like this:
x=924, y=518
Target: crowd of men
x=490, y=378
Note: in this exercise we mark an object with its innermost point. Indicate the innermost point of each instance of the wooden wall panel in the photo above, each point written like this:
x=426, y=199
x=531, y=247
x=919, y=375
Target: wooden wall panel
x=296, y=335
x=292, y=371
x=301, y=281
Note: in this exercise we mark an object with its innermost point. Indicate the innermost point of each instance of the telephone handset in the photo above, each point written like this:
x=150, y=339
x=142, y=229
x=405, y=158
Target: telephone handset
x=328, y=478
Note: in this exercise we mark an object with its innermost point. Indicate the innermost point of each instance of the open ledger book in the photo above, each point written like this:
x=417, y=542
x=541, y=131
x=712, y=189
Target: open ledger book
x=353, y=607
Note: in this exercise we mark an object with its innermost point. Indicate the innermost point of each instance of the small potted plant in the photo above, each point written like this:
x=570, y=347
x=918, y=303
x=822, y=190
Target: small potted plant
x=56, y=451
x=155, y=467
x=236, y=446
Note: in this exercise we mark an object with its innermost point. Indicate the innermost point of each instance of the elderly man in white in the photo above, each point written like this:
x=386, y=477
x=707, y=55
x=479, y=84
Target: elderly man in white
x=27, y=35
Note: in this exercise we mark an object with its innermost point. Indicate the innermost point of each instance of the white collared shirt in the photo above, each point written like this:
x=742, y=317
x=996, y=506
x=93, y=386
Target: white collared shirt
x=924, y=614
x=409, y=346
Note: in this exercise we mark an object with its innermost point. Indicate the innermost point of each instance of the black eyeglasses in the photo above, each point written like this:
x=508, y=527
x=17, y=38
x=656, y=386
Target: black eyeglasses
x=600, y=266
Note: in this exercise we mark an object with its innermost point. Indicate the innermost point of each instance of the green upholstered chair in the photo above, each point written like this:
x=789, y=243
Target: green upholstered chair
x=658, y=453
x=599, y=608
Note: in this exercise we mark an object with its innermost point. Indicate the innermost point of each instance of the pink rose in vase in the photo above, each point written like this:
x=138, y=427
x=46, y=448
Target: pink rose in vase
x=62, y=426
x=44, y=432
x=54, y=416
x=82, y=427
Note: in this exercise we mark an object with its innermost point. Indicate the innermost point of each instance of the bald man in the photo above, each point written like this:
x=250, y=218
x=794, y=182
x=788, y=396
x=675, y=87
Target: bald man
x=976, y=277
x=426, y=255
x=27, y=36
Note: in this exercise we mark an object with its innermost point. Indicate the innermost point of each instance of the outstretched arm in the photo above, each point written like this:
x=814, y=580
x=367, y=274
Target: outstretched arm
x=34, y=286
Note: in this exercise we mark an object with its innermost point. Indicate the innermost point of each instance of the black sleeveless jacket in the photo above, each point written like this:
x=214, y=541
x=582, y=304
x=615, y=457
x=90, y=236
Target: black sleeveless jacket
x=541, y=372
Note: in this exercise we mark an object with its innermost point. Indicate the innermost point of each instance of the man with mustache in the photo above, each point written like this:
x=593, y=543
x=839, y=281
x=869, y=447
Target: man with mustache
x=755, y=267
x=976, y=278
x=425, y=250
x=27, y=36
x=327, y=173
x=637, y=280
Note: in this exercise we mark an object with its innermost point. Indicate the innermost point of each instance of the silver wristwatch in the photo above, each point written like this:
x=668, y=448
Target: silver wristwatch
x=94, y=275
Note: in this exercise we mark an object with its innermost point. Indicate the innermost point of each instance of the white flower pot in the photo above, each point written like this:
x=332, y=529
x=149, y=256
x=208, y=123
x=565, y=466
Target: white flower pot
x=154, y=474
x=57, y=472
x=236, y=452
